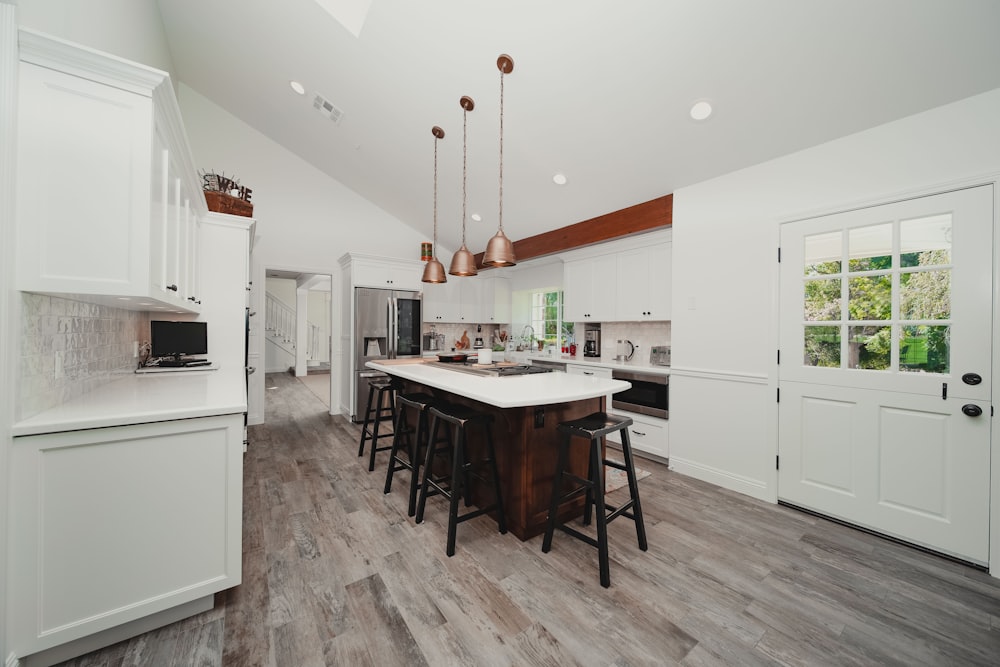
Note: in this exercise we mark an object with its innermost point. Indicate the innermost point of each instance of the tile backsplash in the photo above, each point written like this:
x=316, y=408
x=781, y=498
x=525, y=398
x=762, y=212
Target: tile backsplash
x=69, y=348
x=642, y=334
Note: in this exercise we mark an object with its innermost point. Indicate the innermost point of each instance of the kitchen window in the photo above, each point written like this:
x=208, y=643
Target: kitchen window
x=546, y=318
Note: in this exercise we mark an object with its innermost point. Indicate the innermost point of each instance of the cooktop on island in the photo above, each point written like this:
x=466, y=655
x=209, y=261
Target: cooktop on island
x=490, y=370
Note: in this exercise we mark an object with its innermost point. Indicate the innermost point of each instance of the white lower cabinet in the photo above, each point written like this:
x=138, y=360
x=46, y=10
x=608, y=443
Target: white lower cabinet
x=112, y=525
x=647, y=434
x=592, y=371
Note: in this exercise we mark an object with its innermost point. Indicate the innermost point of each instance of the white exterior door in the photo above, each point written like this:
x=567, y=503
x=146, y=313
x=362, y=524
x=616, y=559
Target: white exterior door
x=884, y=374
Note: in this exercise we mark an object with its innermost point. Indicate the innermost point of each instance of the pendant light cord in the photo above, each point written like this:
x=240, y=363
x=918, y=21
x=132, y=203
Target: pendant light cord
x=501, y=150
x=465, y=151
x=434, y=247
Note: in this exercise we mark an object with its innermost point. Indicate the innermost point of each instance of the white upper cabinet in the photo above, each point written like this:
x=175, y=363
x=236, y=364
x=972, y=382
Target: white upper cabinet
x=627, y=280
x=470, y=300
x=590, y=289
x=644, y=284
x=441, y=301
x=495, y=299
x=107, y=194
x=387, y=273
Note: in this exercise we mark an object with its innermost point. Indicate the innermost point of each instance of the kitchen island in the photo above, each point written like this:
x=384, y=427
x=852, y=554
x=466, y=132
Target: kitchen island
x=526, y=410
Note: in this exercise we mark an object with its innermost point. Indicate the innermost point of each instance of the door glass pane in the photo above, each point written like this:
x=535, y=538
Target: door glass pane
x=870, y=297
x=821, y=346
x=822, y=300
x=925, y=349
x=925, y=295
x=925, y=241
x=870, y=248
x=869, y=348
x=822, y=253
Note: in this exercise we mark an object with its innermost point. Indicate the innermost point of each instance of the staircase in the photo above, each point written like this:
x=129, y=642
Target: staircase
x=279, y=333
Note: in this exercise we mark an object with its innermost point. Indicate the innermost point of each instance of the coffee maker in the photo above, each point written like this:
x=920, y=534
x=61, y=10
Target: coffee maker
x=592, y=343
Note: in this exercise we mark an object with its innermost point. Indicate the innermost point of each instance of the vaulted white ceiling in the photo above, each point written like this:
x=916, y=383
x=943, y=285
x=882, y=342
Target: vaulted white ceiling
x=600, y=92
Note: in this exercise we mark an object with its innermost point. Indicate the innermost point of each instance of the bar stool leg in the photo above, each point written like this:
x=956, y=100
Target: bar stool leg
x=597, y=466
x=399, y=432
x=428, y=469
x=633, y=489
x=367, y=420
x=378, y=420
x=421, y=437
x=458, y=484
x=550, y=524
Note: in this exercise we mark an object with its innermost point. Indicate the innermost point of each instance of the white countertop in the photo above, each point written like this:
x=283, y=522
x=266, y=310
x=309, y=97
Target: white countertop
x=596, y=361
x=142, y=398
x=503, y=392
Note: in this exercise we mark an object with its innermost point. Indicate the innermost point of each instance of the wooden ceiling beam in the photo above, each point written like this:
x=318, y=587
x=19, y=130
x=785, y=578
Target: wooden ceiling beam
x=655, y=214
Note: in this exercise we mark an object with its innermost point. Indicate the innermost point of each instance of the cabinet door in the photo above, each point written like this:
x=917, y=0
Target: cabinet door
x=496, y=300
x=604, y=288
x=577, y=290
x=660, y=258
x=633, y=285
x=158, y=507
x=470, y=302
x=83, y=185
x=367, y=273
x=158, y=216
x=441, y=302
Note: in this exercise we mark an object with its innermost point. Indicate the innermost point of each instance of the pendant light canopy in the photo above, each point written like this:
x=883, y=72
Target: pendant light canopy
x=463, y=263
x=500, y=249
x=434, y=270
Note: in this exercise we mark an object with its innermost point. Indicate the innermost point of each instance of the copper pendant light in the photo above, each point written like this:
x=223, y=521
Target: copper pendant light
x=434, y=270
x=500, y=249
x=463, y=263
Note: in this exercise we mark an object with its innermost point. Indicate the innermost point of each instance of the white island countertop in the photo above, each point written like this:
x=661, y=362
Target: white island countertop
x=143, y=398
x=503, y=392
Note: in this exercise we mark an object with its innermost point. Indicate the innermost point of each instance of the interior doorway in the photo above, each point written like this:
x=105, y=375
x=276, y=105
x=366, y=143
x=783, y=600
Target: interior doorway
x=297, y=329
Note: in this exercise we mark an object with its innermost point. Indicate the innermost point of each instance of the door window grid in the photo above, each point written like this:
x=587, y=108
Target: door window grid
x=891, y=310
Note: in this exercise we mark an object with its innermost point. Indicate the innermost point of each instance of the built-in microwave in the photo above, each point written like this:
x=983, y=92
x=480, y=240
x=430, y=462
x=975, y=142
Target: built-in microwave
x=648, y=395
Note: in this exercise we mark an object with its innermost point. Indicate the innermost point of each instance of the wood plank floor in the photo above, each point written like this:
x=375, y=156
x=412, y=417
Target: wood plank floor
x=334, y=573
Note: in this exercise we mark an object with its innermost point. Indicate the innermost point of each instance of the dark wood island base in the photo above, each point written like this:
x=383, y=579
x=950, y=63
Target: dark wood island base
x=526, y=446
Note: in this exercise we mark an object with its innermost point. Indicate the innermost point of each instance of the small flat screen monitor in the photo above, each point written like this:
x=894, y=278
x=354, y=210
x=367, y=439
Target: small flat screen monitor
x=177, y=339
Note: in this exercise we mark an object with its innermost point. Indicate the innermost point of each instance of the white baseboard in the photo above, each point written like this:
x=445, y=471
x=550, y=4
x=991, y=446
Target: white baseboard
x=752, y=487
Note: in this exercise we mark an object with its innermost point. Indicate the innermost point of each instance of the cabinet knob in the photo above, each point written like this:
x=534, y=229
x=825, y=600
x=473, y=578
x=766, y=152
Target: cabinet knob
x=172, y=288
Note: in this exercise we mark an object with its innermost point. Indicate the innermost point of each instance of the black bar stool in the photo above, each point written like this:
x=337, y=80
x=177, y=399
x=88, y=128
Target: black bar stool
x=456, y=485
x=414, y=446
x=386, y=388
x=594, y=427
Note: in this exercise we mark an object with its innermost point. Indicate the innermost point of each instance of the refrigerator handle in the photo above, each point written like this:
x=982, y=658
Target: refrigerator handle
x=391, y=330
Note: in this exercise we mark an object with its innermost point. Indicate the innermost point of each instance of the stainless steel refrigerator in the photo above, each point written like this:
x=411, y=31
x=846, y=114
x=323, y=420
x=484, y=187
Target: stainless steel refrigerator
x=387, y=325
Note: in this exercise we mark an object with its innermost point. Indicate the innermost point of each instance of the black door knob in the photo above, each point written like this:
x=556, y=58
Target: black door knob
x=972, y=378
x=972, y=410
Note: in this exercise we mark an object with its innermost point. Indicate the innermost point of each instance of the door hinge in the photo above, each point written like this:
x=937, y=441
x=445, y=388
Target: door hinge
x=777, y=396
x=777, y=462
x=779, y=356
x=779, y=254
x=944, y=391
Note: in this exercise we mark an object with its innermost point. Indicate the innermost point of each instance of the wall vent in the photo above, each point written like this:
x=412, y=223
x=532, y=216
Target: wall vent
x=326, y=108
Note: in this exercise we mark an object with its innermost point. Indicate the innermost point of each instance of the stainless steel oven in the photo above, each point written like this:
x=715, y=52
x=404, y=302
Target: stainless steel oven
x=649, y=394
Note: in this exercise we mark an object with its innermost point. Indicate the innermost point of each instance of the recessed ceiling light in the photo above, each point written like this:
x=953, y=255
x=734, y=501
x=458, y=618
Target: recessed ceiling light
x=297, y=87
x=476, y=217
x=559, y=179
x=701, y=110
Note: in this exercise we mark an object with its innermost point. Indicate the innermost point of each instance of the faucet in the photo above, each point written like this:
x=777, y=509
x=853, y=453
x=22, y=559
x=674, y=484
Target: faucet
x=527, y=327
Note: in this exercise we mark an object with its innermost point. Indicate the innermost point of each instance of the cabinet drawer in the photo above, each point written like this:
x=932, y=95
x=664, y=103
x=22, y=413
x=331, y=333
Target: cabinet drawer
x=592, y=371
x=646, y=435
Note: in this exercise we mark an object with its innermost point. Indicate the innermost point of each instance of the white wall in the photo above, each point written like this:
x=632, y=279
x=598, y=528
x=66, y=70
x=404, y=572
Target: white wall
x=131, y=29
x=725, y=233
x=305, y=219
